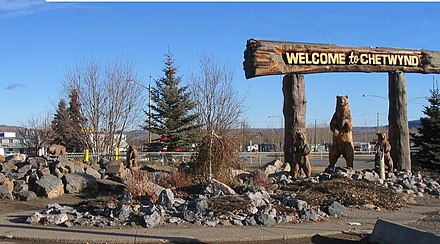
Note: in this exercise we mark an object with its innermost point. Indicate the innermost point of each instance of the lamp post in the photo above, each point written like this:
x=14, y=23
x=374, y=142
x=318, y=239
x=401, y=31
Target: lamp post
x=281, y=128
x=149, y=105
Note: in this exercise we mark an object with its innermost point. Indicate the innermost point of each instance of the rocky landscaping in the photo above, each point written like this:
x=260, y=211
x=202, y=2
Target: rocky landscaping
x=266, y=197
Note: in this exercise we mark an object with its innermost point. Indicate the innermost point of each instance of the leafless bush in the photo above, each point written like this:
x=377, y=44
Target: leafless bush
x=139, y=185
x=218, y=155
x=177, y=179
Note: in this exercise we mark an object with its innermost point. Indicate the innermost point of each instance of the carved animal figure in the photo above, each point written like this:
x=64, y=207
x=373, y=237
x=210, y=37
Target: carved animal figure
x=132, y=155
x=301, y=151
x=383, y=146
x=341, y=125
x=57, y=150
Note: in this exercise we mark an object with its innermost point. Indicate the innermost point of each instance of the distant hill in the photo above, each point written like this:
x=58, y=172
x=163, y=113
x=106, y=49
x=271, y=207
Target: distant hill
x=9, y=128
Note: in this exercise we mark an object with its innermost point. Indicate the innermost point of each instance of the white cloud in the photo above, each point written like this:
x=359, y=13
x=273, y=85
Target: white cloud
x=17, y=5
x=14, y=8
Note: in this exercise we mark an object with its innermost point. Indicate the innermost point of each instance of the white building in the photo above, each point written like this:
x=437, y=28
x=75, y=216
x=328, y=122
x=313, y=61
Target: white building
x=9, y=143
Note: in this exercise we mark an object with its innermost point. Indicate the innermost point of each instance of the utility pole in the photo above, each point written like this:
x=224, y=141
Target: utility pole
x=377, y=123
x=149, y=112
x=314, y=139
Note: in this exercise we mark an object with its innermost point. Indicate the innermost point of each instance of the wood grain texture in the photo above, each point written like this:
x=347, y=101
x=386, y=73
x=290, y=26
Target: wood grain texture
x=269, y=58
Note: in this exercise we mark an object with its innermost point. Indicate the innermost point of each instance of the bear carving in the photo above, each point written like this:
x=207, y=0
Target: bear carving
x=301, y=150
x=341, y=125
x=57, y=150
x=132, y=155
x=384, y=147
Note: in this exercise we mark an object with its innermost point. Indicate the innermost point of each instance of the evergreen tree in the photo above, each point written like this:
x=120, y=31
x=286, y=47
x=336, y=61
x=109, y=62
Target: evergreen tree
x=76, y=142
x=428, y=136
x=60, y=124
x=172, y=115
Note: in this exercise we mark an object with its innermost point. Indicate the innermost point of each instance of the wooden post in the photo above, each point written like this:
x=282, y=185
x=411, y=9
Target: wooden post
x=398, y=121
x=294, y=111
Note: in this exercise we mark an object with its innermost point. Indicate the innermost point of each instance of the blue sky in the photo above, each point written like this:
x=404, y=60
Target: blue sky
x=40, y=42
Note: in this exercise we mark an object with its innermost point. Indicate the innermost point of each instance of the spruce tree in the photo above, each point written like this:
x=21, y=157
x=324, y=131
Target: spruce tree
x=76, y=142
x=60, y=124
x=428, y=136
x=172, y=115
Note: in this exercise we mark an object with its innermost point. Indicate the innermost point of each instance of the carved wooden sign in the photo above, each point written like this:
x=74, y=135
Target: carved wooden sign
x=271, y=58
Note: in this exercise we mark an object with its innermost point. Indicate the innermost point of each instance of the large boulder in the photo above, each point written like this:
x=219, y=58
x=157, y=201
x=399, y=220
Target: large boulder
x=91, y=171
x=216, y=188
x=49, y=186
x=275, y=166
x=76, y=183
x=166, y=199
x=6, y=192
x=116, y=168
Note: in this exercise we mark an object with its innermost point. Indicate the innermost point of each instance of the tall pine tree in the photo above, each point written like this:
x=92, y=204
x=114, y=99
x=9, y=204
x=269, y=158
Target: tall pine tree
x=61, y=124
x=67, y=124
x=76, y=143
x=172, y=110
x=428, y=136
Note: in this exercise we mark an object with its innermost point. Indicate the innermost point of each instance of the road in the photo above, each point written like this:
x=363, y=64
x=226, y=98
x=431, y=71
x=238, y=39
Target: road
x=318, y=160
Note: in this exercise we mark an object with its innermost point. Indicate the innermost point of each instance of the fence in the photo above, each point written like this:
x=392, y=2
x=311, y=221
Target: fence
x=175, y=158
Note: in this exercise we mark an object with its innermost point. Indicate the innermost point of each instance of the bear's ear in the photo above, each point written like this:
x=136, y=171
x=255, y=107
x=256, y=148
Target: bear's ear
x=337, y=97
x=346, y=96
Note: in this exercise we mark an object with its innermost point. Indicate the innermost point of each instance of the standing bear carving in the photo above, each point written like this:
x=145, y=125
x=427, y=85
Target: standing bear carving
x=57, y=150
x=341, y=125
x=301, y=151
x=384, y=147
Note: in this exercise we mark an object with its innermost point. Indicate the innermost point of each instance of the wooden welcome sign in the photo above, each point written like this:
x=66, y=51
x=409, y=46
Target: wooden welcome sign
x=272, y=58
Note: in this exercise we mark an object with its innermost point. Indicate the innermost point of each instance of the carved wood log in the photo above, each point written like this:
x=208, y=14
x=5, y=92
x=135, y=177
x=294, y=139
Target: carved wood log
x=294, y=111
x=270, y=58
x=398, y=121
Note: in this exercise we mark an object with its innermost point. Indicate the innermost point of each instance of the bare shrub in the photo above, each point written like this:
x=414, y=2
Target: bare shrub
x=176, y=180
x=218, y=155
x=140, y=185
x=260, y=179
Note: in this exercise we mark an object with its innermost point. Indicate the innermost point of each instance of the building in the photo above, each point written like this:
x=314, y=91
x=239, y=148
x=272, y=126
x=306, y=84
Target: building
x=9, y=143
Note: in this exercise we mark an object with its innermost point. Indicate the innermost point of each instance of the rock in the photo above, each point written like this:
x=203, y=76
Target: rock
x=25, y=195
x=309, y=214
x=166, y=199
x=335, y=209
x=34, y=218
x=56, y=219
x=2, y=178
x=38, y=162
x=211, y=222
x=371, y=176
x=44, y=171
x=107, y=185
x=325, y=176
x=20, y=185
x=8, y=167
x=76, y=183
x=266, y=219
x=66, y=164
x=123, y=212
x=188, y=215
x=258, y=198
x=216, y=188
x=357, y=176
x=57, y=172
x=20, y=157
x=115, y=168
x=300, y=205
x=406, y=184
x=201, y=206
x=6, y=192
x=153, y=219
x=91, y=171
x=49, y=186
x=275, y=166
x=24, y=168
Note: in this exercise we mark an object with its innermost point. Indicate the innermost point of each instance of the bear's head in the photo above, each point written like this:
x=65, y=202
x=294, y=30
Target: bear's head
x=341, y=101
x=381, y=138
